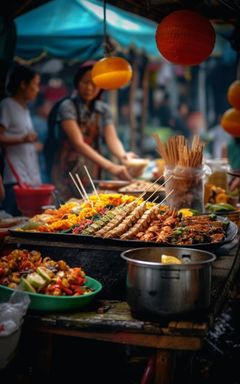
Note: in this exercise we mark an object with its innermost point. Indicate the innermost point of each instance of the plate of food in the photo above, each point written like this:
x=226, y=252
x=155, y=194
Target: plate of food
x=150, y=191
x=51, y=285
x=111, y=185
x=136, y=166
x=8, y=222
x=42, y=302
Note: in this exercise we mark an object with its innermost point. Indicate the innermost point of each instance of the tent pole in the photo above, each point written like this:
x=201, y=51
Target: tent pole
x=132, y=115
x=144, y=114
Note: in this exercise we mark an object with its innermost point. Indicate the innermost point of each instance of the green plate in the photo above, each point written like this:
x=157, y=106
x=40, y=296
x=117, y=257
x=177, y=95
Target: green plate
x=42, y=302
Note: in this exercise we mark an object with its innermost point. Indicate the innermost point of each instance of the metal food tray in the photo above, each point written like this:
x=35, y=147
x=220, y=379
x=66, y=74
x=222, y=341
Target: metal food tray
x=232, y=231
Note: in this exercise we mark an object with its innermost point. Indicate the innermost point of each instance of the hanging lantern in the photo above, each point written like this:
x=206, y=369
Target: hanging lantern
x=230, y=122
x=111, y=72
x=185, y=37
x=233, y=94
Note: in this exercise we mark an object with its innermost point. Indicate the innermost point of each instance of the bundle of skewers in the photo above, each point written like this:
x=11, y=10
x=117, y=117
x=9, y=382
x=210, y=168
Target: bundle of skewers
x=184, y=163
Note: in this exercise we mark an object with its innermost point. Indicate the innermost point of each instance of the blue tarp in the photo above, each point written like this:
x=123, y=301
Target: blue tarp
x=73, y=29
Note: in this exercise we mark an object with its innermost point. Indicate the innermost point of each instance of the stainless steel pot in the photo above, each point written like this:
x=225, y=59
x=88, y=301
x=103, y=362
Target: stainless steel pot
x=155, y=288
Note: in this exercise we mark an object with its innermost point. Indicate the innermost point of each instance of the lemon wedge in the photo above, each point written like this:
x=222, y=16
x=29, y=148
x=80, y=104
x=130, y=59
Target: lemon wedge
x=170, y=260
x=185, y=212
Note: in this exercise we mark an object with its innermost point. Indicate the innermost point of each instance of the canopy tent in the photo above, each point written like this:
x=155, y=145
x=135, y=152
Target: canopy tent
x=73, y=29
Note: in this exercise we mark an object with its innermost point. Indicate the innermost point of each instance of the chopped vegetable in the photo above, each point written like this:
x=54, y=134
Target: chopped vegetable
x=43, y=275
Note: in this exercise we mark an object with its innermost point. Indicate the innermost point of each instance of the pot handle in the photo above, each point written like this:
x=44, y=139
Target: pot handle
x=186, y=258
x=170, y=275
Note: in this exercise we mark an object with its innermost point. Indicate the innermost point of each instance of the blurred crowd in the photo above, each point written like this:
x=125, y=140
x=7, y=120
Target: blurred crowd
x=166, y=112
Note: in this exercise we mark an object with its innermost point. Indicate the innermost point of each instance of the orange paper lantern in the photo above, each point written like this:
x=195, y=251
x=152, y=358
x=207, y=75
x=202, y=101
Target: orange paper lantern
x=185, y=37
x=111, y=72
x=230, y=122
x=233, y=94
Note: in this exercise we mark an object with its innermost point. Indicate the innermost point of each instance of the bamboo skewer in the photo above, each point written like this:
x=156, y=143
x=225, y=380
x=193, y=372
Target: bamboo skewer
x=161, y=148
x=84, y=190
x=177, y=151
x=169, y=193
x=81, y=186
x=77, y=186
x=160, y=186
x=91, y=181
x=149, y=187
x=165, y=182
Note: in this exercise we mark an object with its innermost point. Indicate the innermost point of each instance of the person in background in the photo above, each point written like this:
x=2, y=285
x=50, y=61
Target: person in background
x=17, y=135
x=165, y=111
x=196, y=124
x=85, y=121
x=232, y=151
x=39, y=116
x=217, y=138
x=180, y=120
x=234, y=183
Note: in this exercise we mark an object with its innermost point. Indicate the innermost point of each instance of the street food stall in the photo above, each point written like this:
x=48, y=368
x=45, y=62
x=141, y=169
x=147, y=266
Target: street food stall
x=78, y=255
x=115, y=267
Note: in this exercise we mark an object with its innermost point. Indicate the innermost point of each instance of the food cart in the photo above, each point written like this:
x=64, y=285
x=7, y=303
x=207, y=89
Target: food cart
x=109, y=317
x=112, y=321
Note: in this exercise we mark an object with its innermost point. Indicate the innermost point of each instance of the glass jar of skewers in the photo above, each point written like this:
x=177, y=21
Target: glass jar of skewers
x=187, y=186
x=184, y=172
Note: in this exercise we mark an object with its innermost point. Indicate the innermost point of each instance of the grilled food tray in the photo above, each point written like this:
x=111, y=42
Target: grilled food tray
x=231, y=233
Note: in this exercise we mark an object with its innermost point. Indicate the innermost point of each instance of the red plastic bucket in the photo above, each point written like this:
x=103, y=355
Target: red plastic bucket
x=30, y=200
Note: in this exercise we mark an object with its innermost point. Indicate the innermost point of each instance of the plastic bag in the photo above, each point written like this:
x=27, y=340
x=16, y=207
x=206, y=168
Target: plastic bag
x=12, y=312
x=11, y=319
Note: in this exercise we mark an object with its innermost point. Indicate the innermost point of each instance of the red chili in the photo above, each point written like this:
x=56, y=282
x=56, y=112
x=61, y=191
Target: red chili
x=66, y=290
x=63, y=288
x=51, y=288
x=78, y=292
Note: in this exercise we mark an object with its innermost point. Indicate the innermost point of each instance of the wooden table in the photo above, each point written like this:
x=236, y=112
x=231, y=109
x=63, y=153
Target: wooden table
x=112, y=321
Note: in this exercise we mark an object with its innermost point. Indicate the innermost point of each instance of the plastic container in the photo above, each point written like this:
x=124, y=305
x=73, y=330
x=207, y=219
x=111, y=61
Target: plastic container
x=8, y=345
x=30, y=200
x=184, y=187
x=219, y=176
x=12, y=313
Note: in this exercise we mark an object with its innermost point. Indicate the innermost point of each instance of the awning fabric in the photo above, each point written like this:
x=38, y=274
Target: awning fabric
x=73, y=29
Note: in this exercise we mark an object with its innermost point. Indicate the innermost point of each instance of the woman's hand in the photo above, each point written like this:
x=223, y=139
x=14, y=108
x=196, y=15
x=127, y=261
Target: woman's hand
x=30, y=137
x=128, y=156
x=120, y=171
x=234, y=184
x=131, y=155
x=38, y=146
